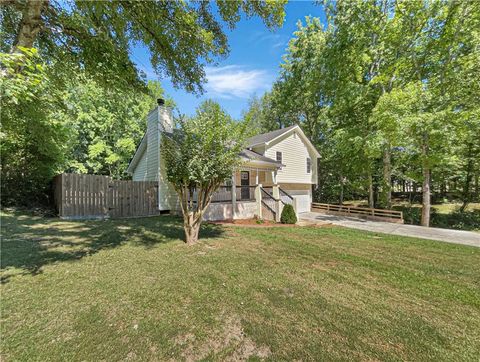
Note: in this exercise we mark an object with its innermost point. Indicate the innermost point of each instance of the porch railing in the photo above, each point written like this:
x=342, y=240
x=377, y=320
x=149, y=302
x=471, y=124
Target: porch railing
x=286, y=198
x=223, y=194
x=268, y=205
x=245, y=193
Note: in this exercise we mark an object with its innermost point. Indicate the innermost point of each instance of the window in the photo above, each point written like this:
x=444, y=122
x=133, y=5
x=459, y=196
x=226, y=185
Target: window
x=279, y=156
x=309, y=165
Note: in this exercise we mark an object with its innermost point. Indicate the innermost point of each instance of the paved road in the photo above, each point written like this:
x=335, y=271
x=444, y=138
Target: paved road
x=448, y=235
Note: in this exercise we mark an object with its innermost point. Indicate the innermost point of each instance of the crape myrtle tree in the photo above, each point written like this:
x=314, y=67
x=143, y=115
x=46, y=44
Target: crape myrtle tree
x=199, y=157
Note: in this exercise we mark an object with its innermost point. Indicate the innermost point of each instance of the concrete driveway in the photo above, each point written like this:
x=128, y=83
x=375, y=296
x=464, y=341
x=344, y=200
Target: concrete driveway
x=447, y=235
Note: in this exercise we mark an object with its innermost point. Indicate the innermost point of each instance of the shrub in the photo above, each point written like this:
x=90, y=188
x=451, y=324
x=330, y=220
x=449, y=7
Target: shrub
x=288, y=215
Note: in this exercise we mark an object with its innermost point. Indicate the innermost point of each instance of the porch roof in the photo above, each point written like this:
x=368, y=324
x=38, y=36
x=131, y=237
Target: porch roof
x=254, y=159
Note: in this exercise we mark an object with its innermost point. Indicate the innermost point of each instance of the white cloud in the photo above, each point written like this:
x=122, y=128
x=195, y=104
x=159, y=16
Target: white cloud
x=234, y=81
x=273, y=40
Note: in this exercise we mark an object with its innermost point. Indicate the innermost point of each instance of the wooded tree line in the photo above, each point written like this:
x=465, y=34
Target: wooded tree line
x=79, y=127
x=72, y=97
x=389, y=92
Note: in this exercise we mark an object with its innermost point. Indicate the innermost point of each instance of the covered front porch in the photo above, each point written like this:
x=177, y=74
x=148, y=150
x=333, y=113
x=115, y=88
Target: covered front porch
x=252, y=191
x=241, y=187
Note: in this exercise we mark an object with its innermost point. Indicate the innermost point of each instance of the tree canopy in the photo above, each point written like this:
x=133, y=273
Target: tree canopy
x=73, y=98
x=99, y=36
x=386, y=90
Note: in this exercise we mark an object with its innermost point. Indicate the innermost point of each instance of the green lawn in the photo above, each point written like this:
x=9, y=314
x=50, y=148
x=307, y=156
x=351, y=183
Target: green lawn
x=131, y=290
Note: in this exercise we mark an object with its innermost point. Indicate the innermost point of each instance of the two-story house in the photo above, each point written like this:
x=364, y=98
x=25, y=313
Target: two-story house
x=278, y=167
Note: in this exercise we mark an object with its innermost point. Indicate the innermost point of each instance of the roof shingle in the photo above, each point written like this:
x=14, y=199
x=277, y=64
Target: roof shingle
x=266, y=137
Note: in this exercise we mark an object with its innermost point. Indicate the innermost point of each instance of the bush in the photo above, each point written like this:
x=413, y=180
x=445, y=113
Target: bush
x=467, y=220
x=288, y=215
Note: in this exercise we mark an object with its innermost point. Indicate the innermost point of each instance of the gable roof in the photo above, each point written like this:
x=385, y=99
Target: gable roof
x=267, y=138
x=138, y=154
x=250, y=155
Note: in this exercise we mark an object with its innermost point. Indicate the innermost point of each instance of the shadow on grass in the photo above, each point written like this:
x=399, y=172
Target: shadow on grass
x=29, y=242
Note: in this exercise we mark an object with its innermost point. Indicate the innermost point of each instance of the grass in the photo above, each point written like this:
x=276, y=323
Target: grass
x=131, y=290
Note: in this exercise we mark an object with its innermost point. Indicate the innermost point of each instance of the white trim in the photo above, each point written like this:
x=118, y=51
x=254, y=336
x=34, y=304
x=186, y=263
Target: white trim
x=142, y=147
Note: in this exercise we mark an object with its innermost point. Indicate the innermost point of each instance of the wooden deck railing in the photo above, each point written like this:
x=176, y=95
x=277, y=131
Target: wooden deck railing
x=379, y=214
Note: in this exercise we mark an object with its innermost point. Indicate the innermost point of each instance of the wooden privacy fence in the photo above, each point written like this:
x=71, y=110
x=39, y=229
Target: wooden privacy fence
x=93, y=196
x=364, y=212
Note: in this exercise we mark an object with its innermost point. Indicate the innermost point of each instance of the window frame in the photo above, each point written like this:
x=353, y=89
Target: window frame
x=309, y=165
x=281, y=156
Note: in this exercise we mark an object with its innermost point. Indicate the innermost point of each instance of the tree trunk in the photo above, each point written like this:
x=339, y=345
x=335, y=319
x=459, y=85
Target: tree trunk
x=477, y=186
x=371, y=200
x=387, y=178
x=466, y=196
x=341, y=191
x=191, y=225
x=30, y=24
x=426, y=184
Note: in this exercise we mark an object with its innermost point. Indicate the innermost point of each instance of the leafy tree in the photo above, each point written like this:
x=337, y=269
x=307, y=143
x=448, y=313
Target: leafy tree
x=181, y=36
x=199, y=157
x=84, y=128
x=386, y=90
x=32, y=144
x=106, y=126
x=94, y=39
x=255, y=115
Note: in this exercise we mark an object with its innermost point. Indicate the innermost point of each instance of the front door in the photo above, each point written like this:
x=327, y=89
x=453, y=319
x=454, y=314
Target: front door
x=244, y=182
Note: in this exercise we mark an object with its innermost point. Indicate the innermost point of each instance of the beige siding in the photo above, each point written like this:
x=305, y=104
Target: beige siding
x=294, y=157
x=148, y=168
x=140, y=172
x=152, y=152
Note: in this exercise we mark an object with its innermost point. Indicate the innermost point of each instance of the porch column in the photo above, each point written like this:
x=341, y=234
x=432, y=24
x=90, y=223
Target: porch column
x=256, y=177
x=278, y=202
x=258, y=198
x=274, y=177
x=276, y=192
x=234, y=195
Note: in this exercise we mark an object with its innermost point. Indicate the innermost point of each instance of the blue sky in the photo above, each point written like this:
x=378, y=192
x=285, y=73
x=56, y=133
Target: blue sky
x=250, y=68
